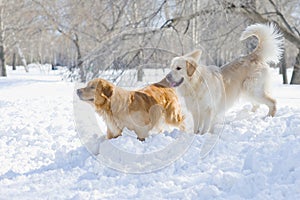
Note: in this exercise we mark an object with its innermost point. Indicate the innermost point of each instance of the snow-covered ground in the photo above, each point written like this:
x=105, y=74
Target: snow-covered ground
x=42, y=156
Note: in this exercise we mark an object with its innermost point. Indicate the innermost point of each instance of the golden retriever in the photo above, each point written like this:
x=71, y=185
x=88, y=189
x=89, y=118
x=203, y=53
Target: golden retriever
x=210, y=90
x=139, y=111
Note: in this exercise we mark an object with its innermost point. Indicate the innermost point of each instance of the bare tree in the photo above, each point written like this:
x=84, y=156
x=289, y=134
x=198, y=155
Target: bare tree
x=56, y=18
x=2, y=46
x=282, y=68
x=266, y=11
x=16, y=19
x=274, y=14
x=91, y=36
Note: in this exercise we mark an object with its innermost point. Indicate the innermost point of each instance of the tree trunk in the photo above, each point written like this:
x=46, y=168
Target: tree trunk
x=296, y=72
x=140, y=73
x=2, y=48
x=251, y=43
x=81, y=70
x=2, y=61
x=282, y=67
x=14, y=61
x=23, y=59
x=79, y=62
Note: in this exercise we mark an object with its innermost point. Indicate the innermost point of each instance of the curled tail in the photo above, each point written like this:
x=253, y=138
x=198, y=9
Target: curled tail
x=270, y=41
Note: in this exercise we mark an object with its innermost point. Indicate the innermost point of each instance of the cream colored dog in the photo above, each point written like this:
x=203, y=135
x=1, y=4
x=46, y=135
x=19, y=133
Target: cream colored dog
x=210, y=90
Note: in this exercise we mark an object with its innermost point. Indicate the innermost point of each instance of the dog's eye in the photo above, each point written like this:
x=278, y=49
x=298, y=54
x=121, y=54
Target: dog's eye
x=178, y=68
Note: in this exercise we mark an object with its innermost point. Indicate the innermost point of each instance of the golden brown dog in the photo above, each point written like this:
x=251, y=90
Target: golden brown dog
x=140, y=110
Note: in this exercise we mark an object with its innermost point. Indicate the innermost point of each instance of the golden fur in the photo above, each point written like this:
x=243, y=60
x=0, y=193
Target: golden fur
x=140, y=111
x=209, y=90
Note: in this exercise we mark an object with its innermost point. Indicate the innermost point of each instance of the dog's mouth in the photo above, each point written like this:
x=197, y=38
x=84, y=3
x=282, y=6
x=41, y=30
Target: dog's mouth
x=174, y=83
x=83, y=99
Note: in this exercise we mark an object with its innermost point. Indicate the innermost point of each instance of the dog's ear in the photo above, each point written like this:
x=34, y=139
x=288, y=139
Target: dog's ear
x=194, y=55
x=105, y=89
x=190, y=68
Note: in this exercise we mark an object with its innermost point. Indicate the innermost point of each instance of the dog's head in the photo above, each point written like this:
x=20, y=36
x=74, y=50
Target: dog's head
x=87, y=93
x=183, y=68
x=97, y=92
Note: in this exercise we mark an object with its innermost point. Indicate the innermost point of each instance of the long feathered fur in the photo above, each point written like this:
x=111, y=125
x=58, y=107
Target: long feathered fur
x=270, y=41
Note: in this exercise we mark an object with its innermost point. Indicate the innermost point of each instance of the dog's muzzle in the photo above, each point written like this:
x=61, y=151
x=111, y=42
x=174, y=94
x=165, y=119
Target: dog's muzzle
x=79, y=94
x=172, y=82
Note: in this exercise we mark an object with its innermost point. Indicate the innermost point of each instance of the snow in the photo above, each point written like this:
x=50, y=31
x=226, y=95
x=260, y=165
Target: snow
x=42, y=155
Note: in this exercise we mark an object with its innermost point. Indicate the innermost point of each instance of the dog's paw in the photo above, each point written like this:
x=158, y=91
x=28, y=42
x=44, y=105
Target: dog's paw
x=141, y=139
x=200, y=132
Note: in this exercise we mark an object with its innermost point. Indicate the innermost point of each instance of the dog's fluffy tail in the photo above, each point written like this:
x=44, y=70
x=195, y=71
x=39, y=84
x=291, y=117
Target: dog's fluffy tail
x=270, y=41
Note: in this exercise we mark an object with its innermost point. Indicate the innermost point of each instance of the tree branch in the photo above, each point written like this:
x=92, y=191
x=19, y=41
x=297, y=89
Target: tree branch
x=281, y=16
x=175, y=20
x=255, y=16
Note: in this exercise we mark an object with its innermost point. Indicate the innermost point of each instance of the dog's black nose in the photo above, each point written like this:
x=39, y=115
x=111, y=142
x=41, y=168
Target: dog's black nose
x=79, y=92
x=169, y=76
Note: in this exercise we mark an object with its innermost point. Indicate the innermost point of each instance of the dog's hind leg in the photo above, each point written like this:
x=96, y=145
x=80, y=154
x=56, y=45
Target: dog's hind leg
x=175, y=118
x=269, y=101
x=255, y=106
x=156, y=114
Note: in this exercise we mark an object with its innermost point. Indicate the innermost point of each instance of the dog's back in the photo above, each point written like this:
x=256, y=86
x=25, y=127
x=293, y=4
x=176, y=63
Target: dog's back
x=248, y=74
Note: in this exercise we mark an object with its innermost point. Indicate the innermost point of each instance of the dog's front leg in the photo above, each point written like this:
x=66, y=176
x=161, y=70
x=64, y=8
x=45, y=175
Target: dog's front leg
x=142, y=135
x=110, y=134
x=207, y=121
x=142, y=132
x=198, y=123
x=206, y=125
